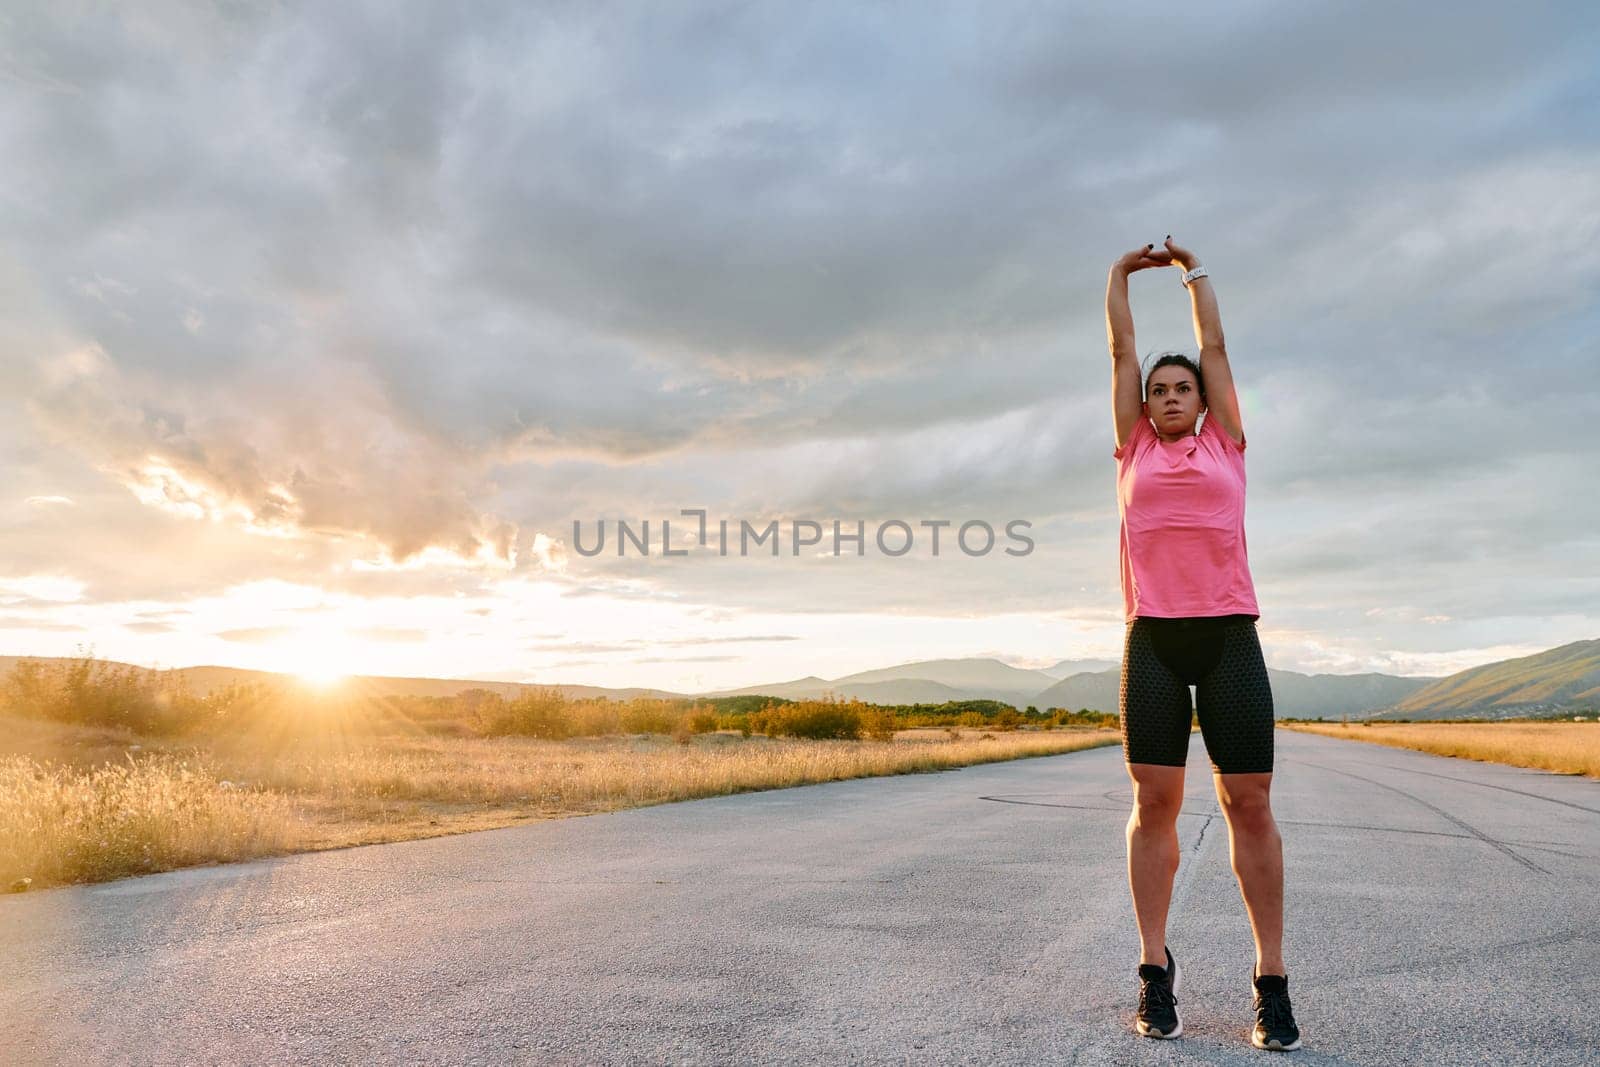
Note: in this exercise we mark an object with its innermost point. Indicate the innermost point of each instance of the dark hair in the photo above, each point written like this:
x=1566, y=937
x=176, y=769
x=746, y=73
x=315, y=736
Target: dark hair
x=1175, y=359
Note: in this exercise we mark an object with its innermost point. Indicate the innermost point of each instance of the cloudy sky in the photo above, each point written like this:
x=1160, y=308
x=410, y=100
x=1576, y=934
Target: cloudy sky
x=323, y=324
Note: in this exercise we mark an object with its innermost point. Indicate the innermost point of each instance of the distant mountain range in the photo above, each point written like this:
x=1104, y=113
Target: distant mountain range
x=1296, y=695
x=931, y=681
x=1561, y=679
x=937, y=681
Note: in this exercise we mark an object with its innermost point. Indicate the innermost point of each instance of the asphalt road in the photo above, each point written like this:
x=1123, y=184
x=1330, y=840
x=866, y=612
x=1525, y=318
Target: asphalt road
x=1438, y=911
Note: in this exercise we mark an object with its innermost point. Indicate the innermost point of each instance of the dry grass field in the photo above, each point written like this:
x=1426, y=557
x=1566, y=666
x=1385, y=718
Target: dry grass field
x=1562, y=747
x=86, y=804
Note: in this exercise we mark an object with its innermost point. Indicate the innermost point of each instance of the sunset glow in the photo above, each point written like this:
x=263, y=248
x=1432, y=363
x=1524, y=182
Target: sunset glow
x=321, y=675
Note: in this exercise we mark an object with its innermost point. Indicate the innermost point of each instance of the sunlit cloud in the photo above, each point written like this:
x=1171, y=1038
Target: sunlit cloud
x=312, y=358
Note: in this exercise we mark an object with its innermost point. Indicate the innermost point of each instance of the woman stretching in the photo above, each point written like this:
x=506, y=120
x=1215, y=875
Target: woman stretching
x=1191, y=620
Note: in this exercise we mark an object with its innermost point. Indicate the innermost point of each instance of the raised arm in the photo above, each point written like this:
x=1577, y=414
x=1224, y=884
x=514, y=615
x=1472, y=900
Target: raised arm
x=1127, y=403
x=1221, y=399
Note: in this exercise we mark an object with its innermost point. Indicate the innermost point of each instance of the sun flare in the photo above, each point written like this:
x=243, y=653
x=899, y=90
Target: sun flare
x=320, y=675
x=320, y=662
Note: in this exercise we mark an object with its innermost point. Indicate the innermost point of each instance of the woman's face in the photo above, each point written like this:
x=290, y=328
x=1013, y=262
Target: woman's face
x=1173, y=399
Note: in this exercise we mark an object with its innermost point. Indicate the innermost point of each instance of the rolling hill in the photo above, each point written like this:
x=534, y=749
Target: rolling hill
x=1560, y=679
x=202, y=680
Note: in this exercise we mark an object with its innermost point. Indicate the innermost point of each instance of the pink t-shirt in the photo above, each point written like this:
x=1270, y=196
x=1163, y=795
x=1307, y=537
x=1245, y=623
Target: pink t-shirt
x=1183, y=549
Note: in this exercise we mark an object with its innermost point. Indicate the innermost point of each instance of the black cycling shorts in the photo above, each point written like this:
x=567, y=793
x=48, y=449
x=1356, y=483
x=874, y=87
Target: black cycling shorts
x=1221, y=657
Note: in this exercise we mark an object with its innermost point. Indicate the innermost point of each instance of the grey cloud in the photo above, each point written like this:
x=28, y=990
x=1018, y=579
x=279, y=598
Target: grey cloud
x=125, y=551
x=426, y=280
x=320, y=466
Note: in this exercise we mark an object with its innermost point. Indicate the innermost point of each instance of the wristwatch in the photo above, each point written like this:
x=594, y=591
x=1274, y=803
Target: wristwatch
x=1191, y=275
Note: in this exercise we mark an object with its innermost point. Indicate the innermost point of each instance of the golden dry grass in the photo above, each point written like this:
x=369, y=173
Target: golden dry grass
x=60, y=825
x=64, y=817
x=1562, y=747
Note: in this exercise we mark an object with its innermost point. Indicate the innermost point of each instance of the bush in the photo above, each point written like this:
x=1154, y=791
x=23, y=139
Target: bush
x=644, y=715
x=879, y=724
x=817, y=720
x=540, y=713
x=85, y=691
x=1082, y=717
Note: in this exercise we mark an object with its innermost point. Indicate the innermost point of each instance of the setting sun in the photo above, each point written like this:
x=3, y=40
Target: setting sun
x=318, y=657
x=321, y=675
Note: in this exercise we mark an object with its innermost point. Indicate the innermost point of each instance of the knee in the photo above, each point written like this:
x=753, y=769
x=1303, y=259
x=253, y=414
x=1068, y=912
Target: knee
x=1156, y=808
x=1248, y=810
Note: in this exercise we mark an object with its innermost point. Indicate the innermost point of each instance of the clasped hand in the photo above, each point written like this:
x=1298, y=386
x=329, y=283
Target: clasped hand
x=1151, y=256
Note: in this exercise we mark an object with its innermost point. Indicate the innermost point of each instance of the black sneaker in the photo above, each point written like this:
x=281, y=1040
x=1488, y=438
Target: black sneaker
x=1275, y=1028
x=1158, y=1000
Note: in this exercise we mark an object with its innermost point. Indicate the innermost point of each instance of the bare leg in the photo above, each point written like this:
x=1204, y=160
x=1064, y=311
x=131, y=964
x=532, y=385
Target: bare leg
x=1256, y=850
x=1153, y=852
